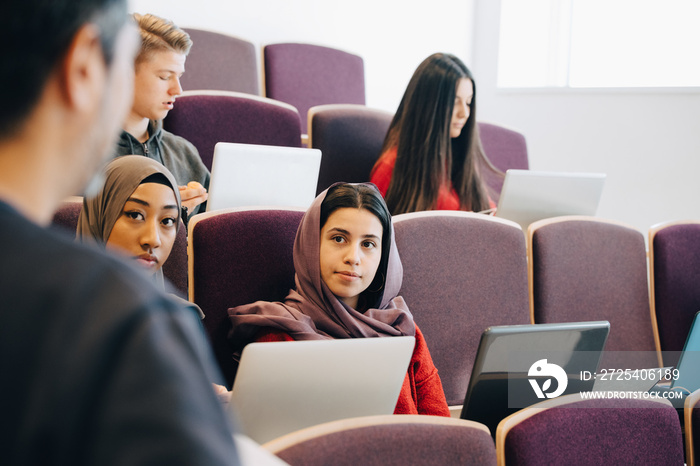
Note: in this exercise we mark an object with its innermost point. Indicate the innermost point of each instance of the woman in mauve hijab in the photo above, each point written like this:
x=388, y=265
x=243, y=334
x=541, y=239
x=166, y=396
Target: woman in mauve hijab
x=348, y=275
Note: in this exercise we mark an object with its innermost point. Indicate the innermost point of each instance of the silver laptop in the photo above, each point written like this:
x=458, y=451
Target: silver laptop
x=257, y=175
x=281, y=387
x=528, y=196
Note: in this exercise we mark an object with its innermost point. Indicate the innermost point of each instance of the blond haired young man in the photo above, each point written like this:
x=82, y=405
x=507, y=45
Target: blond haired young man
x=158, y=67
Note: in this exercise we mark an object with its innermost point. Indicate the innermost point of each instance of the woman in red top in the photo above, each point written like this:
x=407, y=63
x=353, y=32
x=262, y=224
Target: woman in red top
x=348, y=275
x=432, y=157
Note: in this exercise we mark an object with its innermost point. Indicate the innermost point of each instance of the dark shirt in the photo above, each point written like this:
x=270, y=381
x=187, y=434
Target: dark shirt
x=177, y=154
x=96, y=365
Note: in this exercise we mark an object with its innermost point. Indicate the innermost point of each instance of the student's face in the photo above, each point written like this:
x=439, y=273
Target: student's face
x=157, y=84
x=351, y=249
x=147, y=226
x=461, y=111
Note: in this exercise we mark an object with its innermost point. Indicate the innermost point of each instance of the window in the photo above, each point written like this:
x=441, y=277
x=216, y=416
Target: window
x=599, y=43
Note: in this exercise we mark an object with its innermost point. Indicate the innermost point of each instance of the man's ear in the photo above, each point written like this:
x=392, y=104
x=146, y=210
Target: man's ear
x=84, y=71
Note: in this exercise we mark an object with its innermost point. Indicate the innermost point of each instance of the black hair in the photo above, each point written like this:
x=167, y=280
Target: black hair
x=36, y=34
x=420, y=132
x=158, y=178
x=363, y=196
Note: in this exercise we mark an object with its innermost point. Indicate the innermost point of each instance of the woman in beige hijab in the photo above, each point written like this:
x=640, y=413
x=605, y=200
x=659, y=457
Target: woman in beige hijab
x=136, y=213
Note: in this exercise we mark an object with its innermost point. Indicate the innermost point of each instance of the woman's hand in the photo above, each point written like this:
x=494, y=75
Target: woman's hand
x=222, y=393
x=192, y=195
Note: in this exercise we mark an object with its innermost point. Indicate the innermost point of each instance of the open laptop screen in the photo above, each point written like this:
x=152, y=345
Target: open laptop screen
x=528, y=195
x=519, y=365
x=281, y=387
x=245, y=175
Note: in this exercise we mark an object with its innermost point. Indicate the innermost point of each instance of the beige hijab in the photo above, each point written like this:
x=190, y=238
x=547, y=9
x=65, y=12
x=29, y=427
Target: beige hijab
x=122, y=176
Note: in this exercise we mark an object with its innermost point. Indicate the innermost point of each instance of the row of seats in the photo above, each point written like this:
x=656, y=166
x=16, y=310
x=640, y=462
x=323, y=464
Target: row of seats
x=565, y=430
x=311, y=90
x=579, y=269
x=482, y=267
x=349, y=136
x=302, y=75
x=570, y=269
x=478, y=264
x=308, y=89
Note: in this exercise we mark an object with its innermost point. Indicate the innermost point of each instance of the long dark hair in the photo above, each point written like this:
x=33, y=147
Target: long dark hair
x=368, y=197
x=426, y=154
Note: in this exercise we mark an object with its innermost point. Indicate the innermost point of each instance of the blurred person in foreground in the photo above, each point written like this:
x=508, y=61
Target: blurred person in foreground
x=98, y=366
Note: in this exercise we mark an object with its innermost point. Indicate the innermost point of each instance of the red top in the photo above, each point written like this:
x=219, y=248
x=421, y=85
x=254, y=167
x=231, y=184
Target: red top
x=384, y=169
x=421, y=392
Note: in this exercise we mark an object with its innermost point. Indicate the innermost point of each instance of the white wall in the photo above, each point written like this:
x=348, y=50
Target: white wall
x=648, y=142
x=392, y=36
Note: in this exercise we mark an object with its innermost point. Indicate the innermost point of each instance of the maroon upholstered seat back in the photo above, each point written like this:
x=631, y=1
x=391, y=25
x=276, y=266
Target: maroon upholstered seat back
x=463, y=272
x=66, y=216
x=306, y=75
x=239, y=257
x=505, y=148
x=221, y=62
x=586, y=269
x=175, y=268
x=675, y=257
x=350, y=138
x=630, y=431
x=207, y=117
x=400, y=440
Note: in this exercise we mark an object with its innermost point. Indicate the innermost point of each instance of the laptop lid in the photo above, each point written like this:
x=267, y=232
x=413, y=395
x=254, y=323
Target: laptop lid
x=688, y=367
x=528, y=196
x=257, y=175
x=281, y=387
x=519, y=365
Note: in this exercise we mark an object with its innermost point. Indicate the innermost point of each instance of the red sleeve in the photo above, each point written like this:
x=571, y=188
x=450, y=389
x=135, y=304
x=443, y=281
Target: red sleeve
x=422, y=391
x=271, y=334
x=383, y=170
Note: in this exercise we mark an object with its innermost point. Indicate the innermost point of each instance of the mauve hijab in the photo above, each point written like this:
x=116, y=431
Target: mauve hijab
x=122, y=176
x=313, y=312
